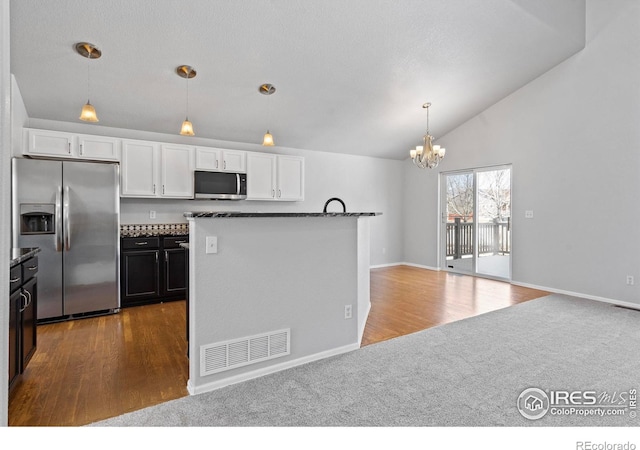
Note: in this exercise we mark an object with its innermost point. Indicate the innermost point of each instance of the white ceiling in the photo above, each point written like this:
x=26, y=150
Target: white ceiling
x=351, y=75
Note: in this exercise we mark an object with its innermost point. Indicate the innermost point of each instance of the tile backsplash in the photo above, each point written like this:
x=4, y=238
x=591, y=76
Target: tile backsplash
x=170, y=229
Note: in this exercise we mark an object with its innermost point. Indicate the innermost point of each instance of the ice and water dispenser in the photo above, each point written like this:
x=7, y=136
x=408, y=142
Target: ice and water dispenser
x=37, y=218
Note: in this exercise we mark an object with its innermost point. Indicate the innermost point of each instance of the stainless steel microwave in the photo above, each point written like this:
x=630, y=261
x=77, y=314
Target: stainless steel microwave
x=219, y=185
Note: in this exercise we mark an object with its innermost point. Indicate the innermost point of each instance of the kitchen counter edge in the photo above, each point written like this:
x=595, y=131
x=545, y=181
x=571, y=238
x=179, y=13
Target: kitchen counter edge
x=19, y=255
x=217, y=215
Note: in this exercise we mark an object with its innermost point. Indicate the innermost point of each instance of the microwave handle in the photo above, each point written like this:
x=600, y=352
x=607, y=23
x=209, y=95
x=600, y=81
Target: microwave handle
x=237, y=183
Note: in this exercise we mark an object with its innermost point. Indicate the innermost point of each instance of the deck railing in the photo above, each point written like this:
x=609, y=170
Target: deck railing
x=493, y=238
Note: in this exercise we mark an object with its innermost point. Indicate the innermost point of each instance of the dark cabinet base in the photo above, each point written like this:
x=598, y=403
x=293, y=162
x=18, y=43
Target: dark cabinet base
x=152, y=270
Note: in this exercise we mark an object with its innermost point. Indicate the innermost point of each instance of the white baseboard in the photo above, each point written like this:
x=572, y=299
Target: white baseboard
x=380, y=266
x=578, y=294
x=214, y=385
x=420, y=266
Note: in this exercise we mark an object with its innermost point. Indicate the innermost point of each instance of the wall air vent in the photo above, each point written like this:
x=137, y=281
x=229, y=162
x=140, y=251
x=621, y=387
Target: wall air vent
x=227, y=355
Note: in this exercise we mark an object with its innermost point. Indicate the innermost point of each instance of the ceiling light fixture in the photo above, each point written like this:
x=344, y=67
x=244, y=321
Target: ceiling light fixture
x=267, y=89
x=88, y=113
x=427, y=154
x=186, y=72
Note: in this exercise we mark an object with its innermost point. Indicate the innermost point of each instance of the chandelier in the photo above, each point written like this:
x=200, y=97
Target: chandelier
x=427, y=154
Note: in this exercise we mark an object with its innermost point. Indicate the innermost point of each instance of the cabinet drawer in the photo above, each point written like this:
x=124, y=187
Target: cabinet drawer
x=140, y=243
x=174, y=241
x=29, y=269
x=15, y=277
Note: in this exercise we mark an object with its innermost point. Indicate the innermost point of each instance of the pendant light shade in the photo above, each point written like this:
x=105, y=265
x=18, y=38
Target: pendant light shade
x=267, y=89
x=267, y=141
x=90, y=51
x=88, y=113
x=186, y=72
x=187, y=128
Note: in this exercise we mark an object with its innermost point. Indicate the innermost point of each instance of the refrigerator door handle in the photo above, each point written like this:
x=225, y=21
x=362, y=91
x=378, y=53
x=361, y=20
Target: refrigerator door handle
x=58, y=218
x=65, y=219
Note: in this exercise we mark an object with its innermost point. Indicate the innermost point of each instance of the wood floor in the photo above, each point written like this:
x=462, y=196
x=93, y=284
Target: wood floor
x=92, y=369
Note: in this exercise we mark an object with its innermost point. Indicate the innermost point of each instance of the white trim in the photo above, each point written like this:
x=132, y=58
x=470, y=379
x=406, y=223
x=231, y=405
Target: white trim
x=214, y=385
x=578, y=294
x=420, y=266
x=380, y=266
x=363, y=325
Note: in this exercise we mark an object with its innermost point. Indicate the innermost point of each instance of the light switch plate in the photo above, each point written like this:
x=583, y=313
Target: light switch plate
x=212, y=244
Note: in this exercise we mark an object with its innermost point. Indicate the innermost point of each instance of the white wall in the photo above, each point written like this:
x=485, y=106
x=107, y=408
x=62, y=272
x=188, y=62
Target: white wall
x=5, y=202
x=572, y=136
x=365, y=184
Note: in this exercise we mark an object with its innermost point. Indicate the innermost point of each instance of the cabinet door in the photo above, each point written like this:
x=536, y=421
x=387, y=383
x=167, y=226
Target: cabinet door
x=138, y=170
x=208, y=158
x=28, y=321
x=177, y=164
x=290, y=178
x=261, y=170
x=234, y=161
x=50, y=143
x=175, y=281
x=15, y=302
x=140, y=274
x=98, y=147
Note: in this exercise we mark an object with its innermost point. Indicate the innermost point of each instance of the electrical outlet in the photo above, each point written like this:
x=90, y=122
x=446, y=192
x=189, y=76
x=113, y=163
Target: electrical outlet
x=152, y=214
x=630, y=280
x=347, y=312
x=212, y=244
x=528, y=214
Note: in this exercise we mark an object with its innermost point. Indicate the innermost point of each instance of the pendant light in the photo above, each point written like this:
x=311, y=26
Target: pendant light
x=186, y=72
x=90, y=51
x=267, y=89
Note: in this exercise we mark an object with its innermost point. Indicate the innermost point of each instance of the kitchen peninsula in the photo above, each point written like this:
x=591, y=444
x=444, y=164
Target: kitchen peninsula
x=269, y=291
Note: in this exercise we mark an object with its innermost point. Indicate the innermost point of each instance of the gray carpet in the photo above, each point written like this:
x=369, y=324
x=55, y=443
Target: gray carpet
x=467, y=373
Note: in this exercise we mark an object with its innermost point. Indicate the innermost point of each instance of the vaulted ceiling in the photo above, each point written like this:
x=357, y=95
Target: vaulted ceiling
x=350, y=75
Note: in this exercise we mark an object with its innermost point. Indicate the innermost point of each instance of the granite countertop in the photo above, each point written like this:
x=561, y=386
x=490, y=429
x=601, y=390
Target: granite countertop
x=216, y=214
x=19, y=255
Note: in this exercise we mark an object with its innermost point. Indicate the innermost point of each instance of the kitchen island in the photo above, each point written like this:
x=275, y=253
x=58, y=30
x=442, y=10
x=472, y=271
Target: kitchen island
x=269, y=291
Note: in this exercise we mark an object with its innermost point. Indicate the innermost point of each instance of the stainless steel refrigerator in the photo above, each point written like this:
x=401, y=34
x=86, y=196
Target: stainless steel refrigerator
x=71, y=211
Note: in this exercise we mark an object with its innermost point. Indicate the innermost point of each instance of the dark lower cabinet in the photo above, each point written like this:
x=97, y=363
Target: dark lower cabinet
x=14, y=339
x=23, y=303
x=152, y=270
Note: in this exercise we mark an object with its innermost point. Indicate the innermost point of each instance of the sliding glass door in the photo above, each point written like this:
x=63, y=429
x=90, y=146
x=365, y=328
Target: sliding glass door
x=476, y=222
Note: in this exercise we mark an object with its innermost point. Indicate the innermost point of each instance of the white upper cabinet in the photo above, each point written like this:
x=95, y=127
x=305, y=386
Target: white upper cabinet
x=290, y=178
x=177, y=163
x=208, y=158
x=261, y=180
x=98, y=147
x=151, y=169
x=60, y=144
x=234, y=161
x=275, y=177
x=221, y=160
x=138, y=171
x=50, y=143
